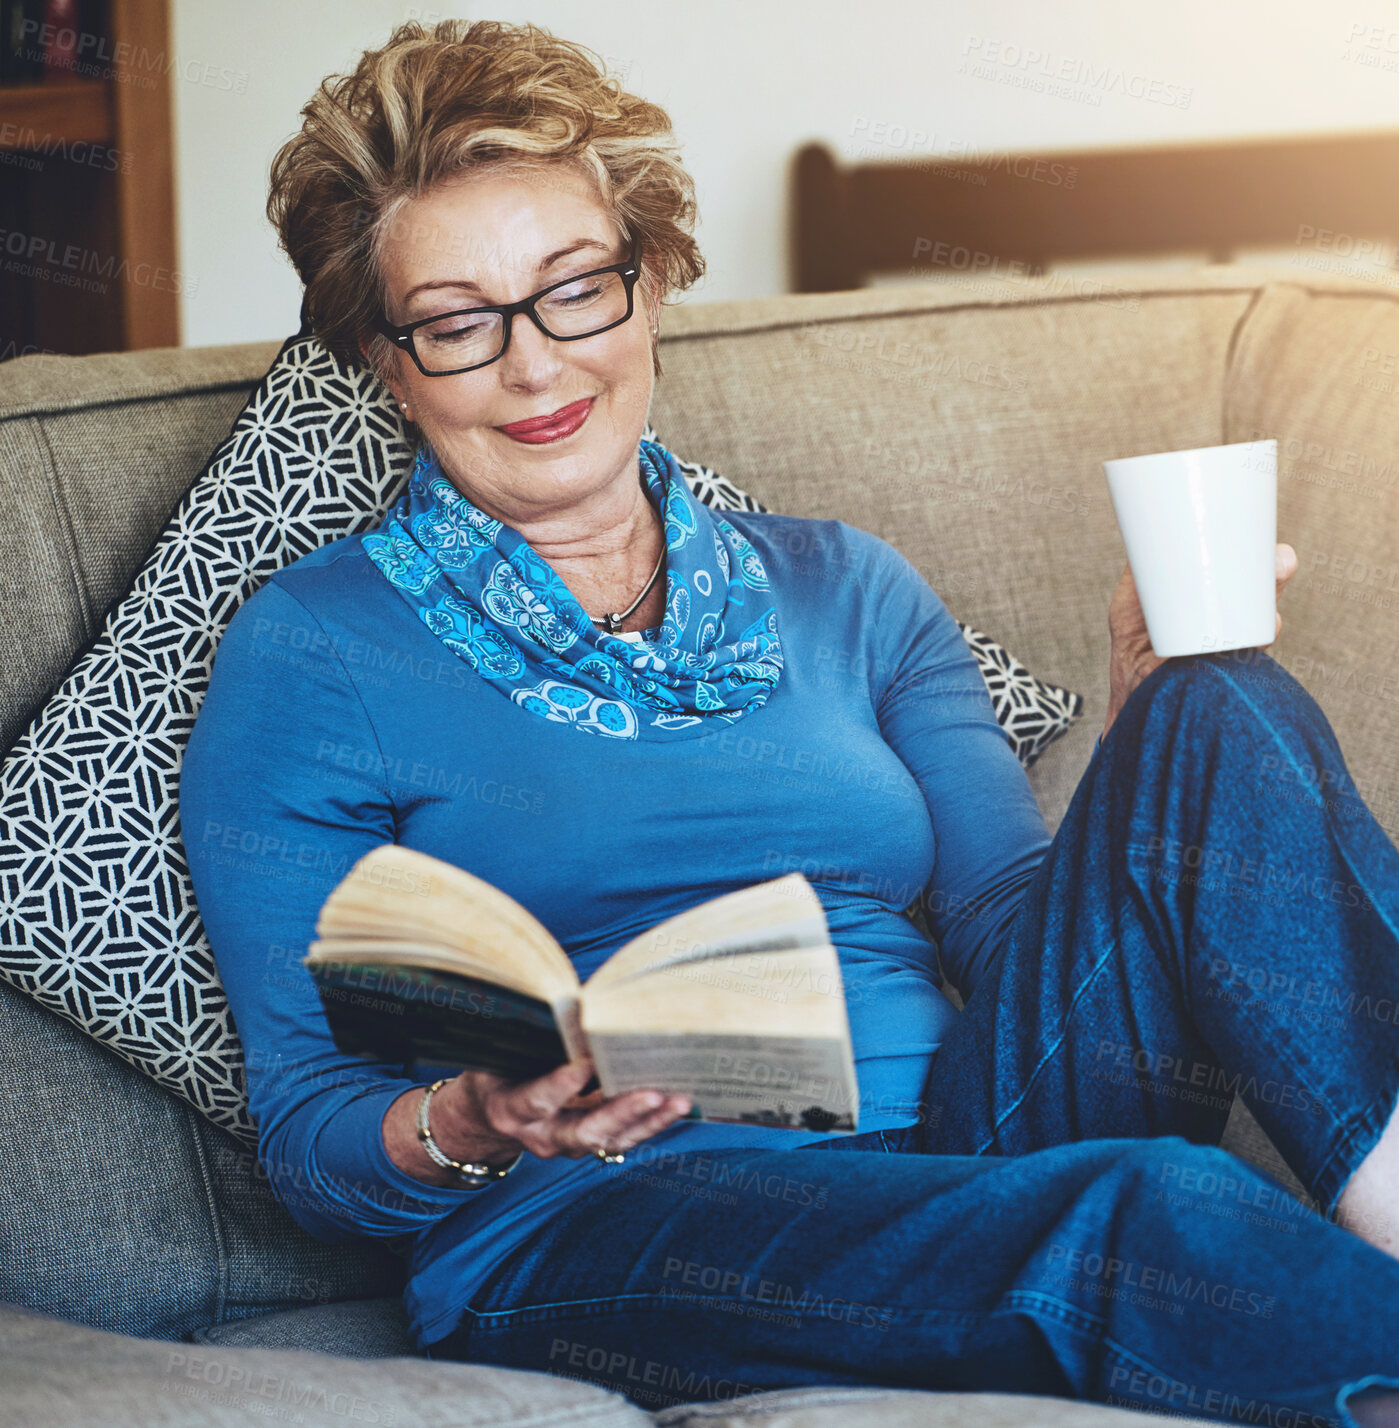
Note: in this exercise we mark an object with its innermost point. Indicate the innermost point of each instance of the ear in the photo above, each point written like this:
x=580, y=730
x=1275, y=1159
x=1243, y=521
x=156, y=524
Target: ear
x=389, y=378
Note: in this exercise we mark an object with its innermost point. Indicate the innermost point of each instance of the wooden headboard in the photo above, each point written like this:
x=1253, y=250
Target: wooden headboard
x=1020, y=213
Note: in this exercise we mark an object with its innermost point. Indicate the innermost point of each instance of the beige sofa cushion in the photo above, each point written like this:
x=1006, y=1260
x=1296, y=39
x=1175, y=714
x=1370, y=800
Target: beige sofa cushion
x=1317, y=367
x=60, y=1375
x=903, y=1408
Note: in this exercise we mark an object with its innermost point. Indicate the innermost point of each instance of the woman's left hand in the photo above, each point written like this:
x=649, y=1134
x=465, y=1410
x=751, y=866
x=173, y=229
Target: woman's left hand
x=1132, y=657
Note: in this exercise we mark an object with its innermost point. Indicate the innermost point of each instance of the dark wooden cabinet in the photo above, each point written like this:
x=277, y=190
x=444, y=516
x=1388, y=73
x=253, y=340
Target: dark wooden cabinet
x=87, y=213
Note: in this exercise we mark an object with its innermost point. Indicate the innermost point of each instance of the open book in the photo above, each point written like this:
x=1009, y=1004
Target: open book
x=737, y=1004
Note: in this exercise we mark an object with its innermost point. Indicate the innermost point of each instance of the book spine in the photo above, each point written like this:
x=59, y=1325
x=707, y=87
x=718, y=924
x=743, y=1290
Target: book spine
x=568, y=1012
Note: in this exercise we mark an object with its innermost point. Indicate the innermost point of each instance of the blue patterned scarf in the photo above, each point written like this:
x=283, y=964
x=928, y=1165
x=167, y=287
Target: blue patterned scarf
x=483, y=591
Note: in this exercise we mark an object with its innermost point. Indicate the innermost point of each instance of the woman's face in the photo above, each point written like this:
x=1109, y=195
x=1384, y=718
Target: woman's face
x=492, y=238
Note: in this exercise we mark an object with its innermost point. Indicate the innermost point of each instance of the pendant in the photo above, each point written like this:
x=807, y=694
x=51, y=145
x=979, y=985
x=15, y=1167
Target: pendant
x=612, y=622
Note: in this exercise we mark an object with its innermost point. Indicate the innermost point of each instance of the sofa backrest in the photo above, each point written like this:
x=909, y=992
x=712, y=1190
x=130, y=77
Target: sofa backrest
x=1317, y=366
x=95, y=452
x=963, y=423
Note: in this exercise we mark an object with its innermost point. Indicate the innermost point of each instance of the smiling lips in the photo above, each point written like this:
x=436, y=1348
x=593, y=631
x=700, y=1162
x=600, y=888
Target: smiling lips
x=536, y=431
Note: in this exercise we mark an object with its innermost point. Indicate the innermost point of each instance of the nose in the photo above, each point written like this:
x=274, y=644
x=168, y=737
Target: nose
x=532, y=361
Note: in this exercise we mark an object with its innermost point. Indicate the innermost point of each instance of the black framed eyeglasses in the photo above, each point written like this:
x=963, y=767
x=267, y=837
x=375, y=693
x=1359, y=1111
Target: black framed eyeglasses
x=472, y=337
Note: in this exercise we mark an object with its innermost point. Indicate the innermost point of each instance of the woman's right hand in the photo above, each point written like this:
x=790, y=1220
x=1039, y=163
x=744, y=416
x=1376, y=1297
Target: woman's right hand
x=482, y=1117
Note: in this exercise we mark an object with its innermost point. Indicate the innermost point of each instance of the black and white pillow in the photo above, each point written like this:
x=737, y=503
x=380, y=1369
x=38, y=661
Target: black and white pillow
x=97, y=914
x=1032, y=713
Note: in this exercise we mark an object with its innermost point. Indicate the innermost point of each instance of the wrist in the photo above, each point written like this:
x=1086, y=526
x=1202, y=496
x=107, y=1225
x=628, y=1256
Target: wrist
x=460, y=1128
x=471, y=1174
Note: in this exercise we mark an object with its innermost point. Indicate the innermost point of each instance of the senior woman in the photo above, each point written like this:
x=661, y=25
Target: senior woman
x=530, y=669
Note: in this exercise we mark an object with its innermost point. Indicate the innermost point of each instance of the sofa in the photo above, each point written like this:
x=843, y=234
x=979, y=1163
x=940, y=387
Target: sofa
x=148, y=1274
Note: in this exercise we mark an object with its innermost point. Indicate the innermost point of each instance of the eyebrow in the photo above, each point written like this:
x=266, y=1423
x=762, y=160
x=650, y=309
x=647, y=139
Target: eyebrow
x=464, y=285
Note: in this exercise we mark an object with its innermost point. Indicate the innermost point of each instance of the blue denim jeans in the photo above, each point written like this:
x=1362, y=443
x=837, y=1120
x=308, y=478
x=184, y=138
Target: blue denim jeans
x=1218, y=913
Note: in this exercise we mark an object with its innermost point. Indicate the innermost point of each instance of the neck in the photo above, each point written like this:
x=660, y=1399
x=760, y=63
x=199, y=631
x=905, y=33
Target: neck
x=604, y=554
x=606, y=569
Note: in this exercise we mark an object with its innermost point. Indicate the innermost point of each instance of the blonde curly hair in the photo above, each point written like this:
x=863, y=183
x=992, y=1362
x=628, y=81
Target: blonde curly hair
x=437, y=101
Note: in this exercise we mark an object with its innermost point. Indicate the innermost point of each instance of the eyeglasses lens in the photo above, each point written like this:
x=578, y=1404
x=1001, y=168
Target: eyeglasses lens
x=576, y=309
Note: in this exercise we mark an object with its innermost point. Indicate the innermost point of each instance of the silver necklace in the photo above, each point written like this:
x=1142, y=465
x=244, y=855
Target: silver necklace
x=612, y=622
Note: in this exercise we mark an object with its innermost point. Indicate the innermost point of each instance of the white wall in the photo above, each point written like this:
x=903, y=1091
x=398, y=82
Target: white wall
x=747, y=81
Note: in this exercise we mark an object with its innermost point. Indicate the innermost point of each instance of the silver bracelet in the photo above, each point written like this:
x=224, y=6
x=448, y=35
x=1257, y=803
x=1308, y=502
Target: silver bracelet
x=474, y=1174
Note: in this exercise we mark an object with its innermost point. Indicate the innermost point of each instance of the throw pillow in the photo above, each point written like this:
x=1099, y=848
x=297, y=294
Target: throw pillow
x=1032, y=713
x=97, y=915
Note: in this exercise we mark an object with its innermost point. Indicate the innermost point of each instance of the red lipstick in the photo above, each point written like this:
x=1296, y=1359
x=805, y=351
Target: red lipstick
x=536, y=431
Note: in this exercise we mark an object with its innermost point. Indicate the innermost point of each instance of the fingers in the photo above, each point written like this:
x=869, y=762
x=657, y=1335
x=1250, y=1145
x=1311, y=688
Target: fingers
x=1285, y=564
x=518, y=1110
x=513, y=1107
x=548, y=1117
x=624, y=1122
x=590, y=1102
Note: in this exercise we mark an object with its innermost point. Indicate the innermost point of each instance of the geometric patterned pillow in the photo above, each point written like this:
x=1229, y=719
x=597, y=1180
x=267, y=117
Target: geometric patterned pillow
x=1031, y=712
x=97, y=914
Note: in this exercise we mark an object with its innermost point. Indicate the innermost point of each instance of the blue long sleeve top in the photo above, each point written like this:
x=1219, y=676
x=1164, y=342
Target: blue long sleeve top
x=336, y=721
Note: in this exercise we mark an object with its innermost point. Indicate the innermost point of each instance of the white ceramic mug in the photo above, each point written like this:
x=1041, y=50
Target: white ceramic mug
x=1200, y=529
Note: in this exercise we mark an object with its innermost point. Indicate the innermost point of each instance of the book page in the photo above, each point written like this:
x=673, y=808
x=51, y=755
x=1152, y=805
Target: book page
x=568, y=1014
x=757, y=993
x=797, y=1082
x=397, y=894
x=762, y=1037
x=782, y=914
